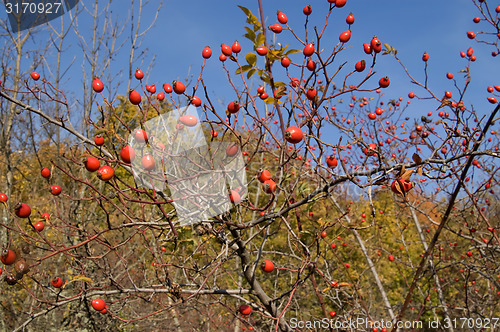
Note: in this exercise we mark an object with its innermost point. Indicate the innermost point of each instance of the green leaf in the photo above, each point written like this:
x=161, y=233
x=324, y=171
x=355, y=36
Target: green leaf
x=264, y=77
x=291, y=51
x=259, y=40
x=251, y=58
x=245, y=10
x=250, y=34
x=269, y=100
x=251, y=72
x=242, y=69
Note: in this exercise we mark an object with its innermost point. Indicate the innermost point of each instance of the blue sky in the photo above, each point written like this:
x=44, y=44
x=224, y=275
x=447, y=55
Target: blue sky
x=412, y=27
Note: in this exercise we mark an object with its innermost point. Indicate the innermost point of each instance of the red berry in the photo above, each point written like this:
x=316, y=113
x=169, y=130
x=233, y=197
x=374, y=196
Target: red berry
x=497, y=87
x=57, y=282
x=167, y=88
x=267, y=266
x=245, y=309
x=8, y=257
x=449, y=76
x=226, y=50
x=45, y=173
x=22, y=210
x=140, y=136
x=311, y=93
x=3, y=198
x=324, y=234
x=196, y=101
x=308, y=49
x=98, y=304
x=425, y=56
x=207, y=52
x=285, y=62
x=160, y=96
x=282, y=18
x=384, y=82
x=92, y=164
x=139, y=74
x=152, y=89
x=307, y=10
x=127, y=154
x=367, y=48
x=222, y=57
x=260, y=90
x=448, y=94
x=349, y=19
x=148, y=162
x=55, y=190
x=331, y=162
x=470, y=51
x=99, y=140
x=269, y=186
x=492, y=100
x=235, y=197
x=39, y=226
x=411, y=95
x=360, y=65
x=134, y=97
x=35, y=75
x=105, y=173
x=276, y=28
x=311, y=65
x=391, y=258
x=179, y=87
x=294, y=134
x=340, y=3
x=232, y=150
x=233, y=107
x=189, y=120
x=372, y=116
x=372, y=149
x=264, y=175
x=471, y=35
x=345, y=36
x=236, y=47
x=376, y=44
x=261, y=50
x=476, y=19
x=97, y=85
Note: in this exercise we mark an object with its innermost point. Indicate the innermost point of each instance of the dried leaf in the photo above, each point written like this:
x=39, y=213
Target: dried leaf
x=82, y=278
x=444, y=102
x=419, y=171
x=280, y=91
x=416, y=158
x=399, y=188
x=340, y=284
x=403, y=169
x=407, y=174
